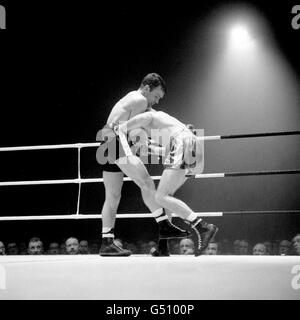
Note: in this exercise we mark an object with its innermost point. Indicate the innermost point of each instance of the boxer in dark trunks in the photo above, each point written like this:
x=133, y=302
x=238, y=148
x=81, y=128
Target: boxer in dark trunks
x=116, y=163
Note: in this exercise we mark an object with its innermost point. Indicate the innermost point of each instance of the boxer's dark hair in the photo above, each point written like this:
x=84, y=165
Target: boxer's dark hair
x=154, y=80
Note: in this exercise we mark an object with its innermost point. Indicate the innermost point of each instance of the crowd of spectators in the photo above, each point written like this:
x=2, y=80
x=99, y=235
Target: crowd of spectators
x=73, y=246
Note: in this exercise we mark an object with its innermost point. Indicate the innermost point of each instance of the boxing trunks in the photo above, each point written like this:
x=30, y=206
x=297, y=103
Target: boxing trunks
x=110, y=149
x=185, y=151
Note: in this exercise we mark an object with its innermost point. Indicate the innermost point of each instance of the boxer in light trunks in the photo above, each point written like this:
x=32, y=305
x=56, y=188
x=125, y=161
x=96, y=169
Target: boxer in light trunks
x=183, y=152
x=111, y=152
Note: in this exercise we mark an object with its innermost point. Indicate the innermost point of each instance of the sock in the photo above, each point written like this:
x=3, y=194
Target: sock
x=193, y=217
x=108, y=233
x=160, y=215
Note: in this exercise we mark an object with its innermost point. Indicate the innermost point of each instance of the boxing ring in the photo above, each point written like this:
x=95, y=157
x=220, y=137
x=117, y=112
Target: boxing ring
x=143, y=277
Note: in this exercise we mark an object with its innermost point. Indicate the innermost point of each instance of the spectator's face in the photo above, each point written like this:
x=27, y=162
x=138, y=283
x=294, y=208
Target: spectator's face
x=243, y=248
x=2, y=248
x=259, y=250
x=296, y=244
x=83, y=247
x=72, y=246
x=186, y=246
x=212, y=249
x=35, y=247
x=12, y=248
x=284, y=247
x=53, y=248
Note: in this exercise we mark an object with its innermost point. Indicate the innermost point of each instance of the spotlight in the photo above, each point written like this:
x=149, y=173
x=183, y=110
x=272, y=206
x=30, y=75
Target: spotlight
x=240, y=37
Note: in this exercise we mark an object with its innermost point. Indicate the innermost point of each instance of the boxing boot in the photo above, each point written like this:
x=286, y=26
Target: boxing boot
x=110, y=249
x=167, y=230
x=204, y=231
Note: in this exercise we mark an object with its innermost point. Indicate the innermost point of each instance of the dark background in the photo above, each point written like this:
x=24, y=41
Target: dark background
x=64, y=67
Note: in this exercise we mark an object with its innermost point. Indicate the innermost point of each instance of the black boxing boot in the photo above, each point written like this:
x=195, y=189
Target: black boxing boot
x=205, y=233
x=168, y=230
x=110, y=249
x=162, y=250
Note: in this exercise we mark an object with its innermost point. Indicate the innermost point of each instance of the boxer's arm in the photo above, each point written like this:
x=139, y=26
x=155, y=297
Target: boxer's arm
x=139, y=121
x=157, y=150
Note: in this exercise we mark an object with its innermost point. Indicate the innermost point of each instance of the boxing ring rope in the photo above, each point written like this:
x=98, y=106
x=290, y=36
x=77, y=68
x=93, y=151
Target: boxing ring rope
x=197, y=176
x=97, y=144
x=140, y=215
x=80, y=180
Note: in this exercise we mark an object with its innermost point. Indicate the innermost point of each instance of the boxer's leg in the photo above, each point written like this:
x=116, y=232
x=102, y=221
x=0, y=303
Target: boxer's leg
x=181, y=181
x=163, y=246
x=169, y=181
x=134, y=168
x=113, y=182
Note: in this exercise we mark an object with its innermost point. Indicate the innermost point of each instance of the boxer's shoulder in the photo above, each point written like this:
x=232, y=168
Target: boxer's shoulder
x=134, y=99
